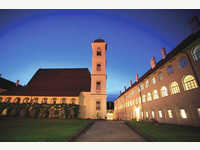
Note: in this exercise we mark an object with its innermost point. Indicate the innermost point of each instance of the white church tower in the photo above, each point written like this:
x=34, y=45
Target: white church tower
x=98, y=79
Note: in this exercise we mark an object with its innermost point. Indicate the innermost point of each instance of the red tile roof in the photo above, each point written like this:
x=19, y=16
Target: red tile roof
x=56, y=82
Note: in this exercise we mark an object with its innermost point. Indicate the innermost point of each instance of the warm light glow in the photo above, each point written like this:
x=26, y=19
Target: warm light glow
x=183, y=114
x=147, y=115
x=160, y=113
x=198, y=110
x=153, y=114
x=137, y=112
x=174, y=88
x=143, y=98
x=189, y=82
x=170, y=114
x=155, y=94
x=163, y=91
x=110, y=116
x=149, y=97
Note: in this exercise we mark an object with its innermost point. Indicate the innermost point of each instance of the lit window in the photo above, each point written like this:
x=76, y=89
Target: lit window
x=170, y=114
x=136, y=101
x=54, y=100
x=160, y=76
x=98, y=85
x=35, y=100
x=63, y=100
x=189, y=82
x=73, y=100
x=155, y=94
x=98, y=105
x=153, y=114
x=142, y=87
x=149, y=97
x=143, y=98
x=98, y=67
x=170, y=70
x=163, y=91
x=174, y=88
x=8, y=99
x=183, y=114
x=147, y=115
x=153, y=80
x=183, y=62
x=17, y=100
x=26, y=99
x=147, y=84
x=196, y=53
x=44, y=100
x=160, y=113
x=138, y=89
x=198, y=111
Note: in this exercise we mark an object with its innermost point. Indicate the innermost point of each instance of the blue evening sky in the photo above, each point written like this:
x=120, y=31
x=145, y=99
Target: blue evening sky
x=33, y=39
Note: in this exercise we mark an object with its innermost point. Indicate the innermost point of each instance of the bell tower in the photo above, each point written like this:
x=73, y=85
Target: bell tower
x=98, y=79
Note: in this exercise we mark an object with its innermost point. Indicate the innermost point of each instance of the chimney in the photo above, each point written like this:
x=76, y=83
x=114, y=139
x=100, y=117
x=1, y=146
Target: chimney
x=131, y=83
x=194, y=24
x=125, y=88
x=17, y=83
x=163, y=52
x=137, y=77
x=153, y=62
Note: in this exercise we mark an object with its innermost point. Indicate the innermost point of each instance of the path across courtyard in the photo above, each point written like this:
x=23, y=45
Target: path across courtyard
x=109, y=131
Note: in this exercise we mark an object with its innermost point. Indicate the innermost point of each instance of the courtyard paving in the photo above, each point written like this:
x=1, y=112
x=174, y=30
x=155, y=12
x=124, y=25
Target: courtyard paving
x=109, y=131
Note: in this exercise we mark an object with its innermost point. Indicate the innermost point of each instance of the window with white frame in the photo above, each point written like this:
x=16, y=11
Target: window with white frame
x=142, y=87
x=155, y=94
x=174, y=88
x=153, y=114
x=196, y=53
x=163, y=91
x=160, y=76
x=189, y=82
x=170, y=115
x=149, y=96
x=144, y=98
x=147, y=83
x=153, y=80
x=183, y=114
x=160, y=114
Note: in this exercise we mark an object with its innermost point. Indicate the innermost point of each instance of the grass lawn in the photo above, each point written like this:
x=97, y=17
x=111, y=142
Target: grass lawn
x=30, y=130
x=167, y=132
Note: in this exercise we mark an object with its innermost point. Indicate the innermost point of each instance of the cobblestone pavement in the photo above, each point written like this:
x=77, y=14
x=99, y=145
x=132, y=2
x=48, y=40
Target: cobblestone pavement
x=109, y=131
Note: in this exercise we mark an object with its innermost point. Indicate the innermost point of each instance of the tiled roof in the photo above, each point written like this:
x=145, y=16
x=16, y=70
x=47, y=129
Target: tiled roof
x=56, y=82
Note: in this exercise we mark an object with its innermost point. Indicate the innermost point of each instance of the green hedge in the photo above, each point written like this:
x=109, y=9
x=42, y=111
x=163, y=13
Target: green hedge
x=67, y=111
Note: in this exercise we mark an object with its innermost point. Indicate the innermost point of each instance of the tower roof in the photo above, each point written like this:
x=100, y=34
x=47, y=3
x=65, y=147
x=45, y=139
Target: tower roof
x=99, y=40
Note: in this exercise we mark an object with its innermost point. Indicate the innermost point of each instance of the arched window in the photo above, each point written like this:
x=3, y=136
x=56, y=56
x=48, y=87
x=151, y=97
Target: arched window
x=17, y=100
x=155, y=94
x=153, y=114
x=147, y=115
x=36, y=100
x=174, y=88
x=189, y=82
x=147, y=83
x=98, y=85
x=160, y=113
x=170, y=70
x=183, y=62
x=160, y=76
x=144, y=98
x=196, y=53
x=8, y=99
x=163, y=91
x=153, y=80
x=149, y=97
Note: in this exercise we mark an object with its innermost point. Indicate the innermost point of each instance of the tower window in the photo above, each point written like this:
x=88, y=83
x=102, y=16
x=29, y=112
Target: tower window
x=98, y=105
x=98, y=67
x=98, y=85
x=98, y=53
